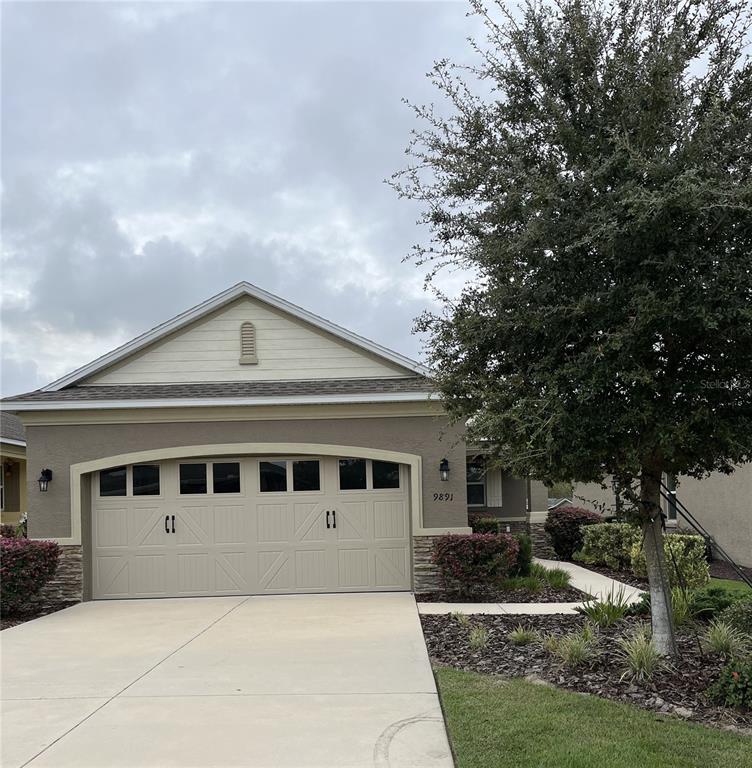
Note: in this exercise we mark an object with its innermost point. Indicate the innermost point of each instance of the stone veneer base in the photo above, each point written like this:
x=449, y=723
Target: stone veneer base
x=67, y=584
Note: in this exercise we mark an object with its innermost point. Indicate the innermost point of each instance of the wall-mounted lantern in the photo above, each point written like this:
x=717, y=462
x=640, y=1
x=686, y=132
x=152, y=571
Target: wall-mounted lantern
x=444, y=469
x=44, y=479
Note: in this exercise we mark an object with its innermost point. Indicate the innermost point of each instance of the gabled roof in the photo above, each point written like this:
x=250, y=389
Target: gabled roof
x=214, y=303
x=404, y=389
x=11, y=429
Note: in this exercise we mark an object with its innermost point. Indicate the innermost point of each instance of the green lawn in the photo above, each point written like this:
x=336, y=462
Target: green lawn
x=516, y=724
x=734, y=586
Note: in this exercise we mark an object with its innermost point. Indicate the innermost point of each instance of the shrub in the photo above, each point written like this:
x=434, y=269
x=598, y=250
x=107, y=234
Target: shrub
x=606, y=612
x=685, y=560
x=478, y=638
x=725, y=640
x=709, y=602
x=641, y=607
x=474, y=563
x=549, y=642
x=25, y=567
x=681, y=606
x=522, y=635
x=558, y=578
x=564, y=526
x=739, y=615
x=640, y=655
x=524, y=555
x=576, y=648
x=734, y=685
x=461, y=618
x=608, y=544
x=7, y=531
x=484, y=524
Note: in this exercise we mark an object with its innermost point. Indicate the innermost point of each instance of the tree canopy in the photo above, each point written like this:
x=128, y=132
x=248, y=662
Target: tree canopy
x=593, y=171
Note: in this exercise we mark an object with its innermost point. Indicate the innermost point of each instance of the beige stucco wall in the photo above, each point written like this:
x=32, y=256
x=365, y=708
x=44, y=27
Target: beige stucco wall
x=14, y=484
x=721, y=503
x=59, y=446
x=513, y=496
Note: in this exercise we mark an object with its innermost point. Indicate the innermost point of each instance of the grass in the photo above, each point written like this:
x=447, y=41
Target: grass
x=730, y=584
x=517, y=724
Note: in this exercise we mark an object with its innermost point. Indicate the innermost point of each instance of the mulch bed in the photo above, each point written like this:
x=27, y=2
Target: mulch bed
x=544, y=595
x=6, y=622
x=720, y=569
x=679, y=689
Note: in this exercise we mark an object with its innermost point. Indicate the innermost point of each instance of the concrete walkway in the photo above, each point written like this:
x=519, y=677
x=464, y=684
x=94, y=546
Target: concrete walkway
x=583, y=579
x=299, y=681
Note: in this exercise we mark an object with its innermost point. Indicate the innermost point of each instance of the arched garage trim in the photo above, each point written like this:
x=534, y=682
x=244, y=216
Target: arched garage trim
x=414, y=461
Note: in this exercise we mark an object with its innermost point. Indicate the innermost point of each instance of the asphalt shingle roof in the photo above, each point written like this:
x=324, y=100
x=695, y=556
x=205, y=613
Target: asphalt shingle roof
x=227, y=389
x=11, y=427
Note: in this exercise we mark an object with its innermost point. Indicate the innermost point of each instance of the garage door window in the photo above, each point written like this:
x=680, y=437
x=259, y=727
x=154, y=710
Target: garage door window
x=272, y=476
x=385, y=474
x=352, y=474
x=305, y=476
x=146, y=480
x=192, y=478
x=226, y=476
x=112, y=482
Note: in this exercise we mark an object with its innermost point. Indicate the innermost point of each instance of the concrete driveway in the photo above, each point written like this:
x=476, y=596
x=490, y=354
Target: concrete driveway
x=291, y=682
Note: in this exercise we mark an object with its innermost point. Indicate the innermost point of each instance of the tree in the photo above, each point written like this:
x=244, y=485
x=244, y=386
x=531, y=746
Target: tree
x=593, y=172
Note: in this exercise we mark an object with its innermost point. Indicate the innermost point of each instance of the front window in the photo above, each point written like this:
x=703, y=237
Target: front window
x=476, y=483
x=305, y=475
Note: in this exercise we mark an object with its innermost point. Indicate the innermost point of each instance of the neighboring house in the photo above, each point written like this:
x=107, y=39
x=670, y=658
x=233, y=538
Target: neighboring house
x=722, y=504
x=13, y=475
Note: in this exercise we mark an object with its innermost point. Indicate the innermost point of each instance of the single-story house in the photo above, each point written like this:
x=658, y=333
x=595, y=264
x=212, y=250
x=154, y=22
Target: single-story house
x=248, y=446
x=13, y=475
x=722, y=504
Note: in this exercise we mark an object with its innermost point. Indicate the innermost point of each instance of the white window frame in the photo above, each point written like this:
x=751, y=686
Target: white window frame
x=369, y=477
x=481, y=482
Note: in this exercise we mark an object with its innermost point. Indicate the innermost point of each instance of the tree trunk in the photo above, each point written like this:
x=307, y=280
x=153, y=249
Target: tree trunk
x=660, y=589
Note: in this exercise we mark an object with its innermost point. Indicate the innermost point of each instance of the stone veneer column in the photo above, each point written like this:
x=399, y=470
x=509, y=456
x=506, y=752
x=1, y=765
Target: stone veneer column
x=425, y=573
x=67, y=583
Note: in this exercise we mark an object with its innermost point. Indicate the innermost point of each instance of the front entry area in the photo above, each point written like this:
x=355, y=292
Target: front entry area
x=250, y=525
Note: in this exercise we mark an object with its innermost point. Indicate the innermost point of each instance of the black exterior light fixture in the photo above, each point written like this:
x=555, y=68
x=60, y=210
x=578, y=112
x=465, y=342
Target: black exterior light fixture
x=44, y=479
x=444, y=469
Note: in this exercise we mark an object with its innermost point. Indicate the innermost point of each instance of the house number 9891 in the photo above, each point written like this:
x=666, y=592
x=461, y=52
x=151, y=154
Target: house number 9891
x=443, y=497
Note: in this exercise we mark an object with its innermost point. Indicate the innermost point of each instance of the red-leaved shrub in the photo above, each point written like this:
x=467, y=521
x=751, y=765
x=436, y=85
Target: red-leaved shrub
x=8, y=531
x=564, y=526
x=475, y=563
x=25, y=567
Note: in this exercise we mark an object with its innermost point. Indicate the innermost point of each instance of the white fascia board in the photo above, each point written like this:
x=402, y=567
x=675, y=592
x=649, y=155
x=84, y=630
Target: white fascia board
x=8, y=441
x=200, y=310
x=78, y=405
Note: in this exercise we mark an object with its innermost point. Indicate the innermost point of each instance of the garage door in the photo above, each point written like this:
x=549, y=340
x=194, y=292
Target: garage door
x=250, y=525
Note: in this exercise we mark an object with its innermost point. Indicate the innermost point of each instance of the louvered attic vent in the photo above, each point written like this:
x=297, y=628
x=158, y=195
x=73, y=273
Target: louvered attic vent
x=248, y=344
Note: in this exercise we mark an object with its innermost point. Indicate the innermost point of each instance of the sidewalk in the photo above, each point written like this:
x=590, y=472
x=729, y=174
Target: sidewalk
x=586, y=581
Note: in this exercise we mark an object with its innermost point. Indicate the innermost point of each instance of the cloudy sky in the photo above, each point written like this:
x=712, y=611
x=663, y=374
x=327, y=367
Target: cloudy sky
x=154, y=154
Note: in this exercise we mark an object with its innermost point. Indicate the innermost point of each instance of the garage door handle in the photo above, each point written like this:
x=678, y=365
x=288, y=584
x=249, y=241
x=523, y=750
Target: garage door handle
x=166, y=523
x=334, y=518
x=327, y=519
x=173, y=523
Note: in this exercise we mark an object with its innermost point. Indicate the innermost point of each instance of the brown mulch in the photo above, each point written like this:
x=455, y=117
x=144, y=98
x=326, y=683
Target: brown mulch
x=720, y=569
x=679, y=689
x=545, y=595
x=34, y=612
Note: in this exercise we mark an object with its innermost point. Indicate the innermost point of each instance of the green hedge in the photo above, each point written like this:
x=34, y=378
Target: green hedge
x=685, y=560
x=608, y=544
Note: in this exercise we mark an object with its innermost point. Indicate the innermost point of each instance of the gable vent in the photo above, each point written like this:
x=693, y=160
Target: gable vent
x=248, y=344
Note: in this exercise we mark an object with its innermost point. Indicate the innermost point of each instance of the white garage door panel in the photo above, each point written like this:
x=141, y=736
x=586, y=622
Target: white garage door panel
x=250, y=542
